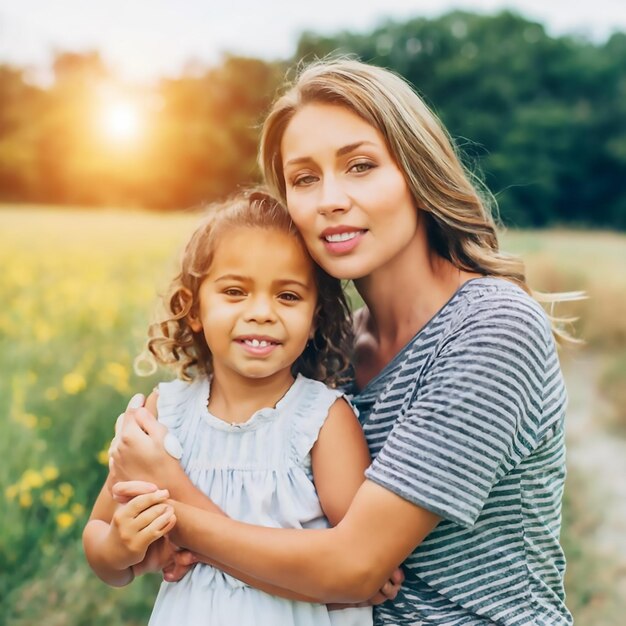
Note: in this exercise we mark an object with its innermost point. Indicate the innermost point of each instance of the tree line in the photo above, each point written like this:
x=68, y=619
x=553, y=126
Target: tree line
x=541, y=119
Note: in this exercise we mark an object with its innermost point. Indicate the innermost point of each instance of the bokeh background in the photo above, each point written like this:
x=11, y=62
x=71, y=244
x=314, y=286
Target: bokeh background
x=119, y=121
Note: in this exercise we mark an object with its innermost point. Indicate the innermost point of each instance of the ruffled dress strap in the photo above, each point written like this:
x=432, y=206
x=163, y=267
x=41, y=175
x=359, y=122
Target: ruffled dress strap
x=310, y=413
x=175, y=399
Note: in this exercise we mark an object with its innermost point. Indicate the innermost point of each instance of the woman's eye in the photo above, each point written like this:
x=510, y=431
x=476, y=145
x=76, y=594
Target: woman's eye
x=361, y=166
x=304, y=180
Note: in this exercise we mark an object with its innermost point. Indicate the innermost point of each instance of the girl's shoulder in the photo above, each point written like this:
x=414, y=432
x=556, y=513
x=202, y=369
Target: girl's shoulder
x=176, y=397
x=309, y=409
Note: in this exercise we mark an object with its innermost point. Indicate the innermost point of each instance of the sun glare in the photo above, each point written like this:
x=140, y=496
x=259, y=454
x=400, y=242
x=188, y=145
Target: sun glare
x=120, y=122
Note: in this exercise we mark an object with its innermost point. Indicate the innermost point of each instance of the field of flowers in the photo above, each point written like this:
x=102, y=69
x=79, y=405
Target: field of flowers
x=77, y=290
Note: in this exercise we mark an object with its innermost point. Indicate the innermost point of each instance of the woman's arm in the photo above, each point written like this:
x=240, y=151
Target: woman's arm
x=348, y=563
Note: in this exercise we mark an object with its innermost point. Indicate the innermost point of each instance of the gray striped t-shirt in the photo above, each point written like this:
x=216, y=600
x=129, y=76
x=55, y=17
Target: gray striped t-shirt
x=467, y=422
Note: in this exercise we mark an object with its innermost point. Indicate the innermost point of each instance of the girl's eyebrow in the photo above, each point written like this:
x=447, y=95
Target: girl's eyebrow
x=291, y=281
x=340, y=152
x=281, y=282
x=232, y=277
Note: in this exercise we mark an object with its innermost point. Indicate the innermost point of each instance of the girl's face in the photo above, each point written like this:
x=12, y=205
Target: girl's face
x=256, y=304
x=345, y=193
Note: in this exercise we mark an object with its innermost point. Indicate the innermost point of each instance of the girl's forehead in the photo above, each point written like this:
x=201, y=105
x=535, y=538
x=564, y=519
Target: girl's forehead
x=262, y=252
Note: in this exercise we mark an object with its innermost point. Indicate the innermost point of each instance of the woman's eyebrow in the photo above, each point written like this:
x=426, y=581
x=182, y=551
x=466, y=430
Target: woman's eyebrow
x=353, y=146
x=340, y=152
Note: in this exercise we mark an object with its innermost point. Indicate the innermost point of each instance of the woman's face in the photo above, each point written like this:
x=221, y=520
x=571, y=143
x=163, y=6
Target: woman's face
x=345, y=193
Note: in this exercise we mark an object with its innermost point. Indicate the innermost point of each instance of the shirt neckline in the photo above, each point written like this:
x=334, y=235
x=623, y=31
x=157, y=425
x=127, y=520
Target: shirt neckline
x=400, y=354
x=261, y=416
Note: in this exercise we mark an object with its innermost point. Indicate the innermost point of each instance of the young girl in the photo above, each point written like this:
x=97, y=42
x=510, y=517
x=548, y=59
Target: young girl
x=252, y=323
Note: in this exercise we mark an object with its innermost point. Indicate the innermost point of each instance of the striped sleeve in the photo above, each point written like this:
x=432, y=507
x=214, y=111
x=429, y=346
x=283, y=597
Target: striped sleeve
x=474, y=414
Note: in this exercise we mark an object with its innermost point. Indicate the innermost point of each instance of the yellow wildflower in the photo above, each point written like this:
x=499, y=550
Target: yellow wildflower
x=73, y=383
x=51, y=394
x=65, y=520
x=103, y=457
x=31, y=479
x=66, y=490
x=11, y=491
x=116, y=375
x=50, y=472
x=60, y=501
x=47, y=497
x=77, y=509
x=29, y=420
x=26, y=500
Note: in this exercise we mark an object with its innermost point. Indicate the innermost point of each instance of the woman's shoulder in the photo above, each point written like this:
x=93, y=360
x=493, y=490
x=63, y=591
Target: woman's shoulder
x=498, y=300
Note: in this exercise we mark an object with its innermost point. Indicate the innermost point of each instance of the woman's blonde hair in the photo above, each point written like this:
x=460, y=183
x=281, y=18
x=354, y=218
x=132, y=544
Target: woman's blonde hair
x=174, y=343
x=458, y=217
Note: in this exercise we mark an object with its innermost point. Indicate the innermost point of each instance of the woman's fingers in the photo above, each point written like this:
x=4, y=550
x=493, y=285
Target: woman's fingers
x=136, y=402
x=183, y=561
x=397, y=576
x=149, y=424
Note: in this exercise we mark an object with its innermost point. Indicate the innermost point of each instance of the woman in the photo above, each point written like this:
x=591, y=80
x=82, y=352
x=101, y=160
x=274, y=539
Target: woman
x=457, y=381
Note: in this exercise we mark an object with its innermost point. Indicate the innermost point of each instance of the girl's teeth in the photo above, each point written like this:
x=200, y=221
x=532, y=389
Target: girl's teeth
x=255, y=343
x=341, y=237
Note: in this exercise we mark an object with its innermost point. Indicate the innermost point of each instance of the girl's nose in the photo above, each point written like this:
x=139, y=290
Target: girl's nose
x=260, y=310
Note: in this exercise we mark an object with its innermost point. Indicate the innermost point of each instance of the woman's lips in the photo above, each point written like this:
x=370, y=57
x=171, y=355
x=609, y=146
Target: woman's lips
x=342, y=240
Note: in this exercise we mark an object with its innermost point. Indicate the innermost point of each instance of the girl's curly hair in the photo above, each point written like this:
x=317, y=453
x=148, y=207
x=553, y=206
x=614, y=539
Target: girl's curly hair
x=172, y=341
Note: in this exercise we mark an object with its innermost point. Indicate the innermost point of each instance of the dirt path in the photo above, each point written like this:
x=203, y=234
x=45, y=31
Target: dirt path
x=599, y=456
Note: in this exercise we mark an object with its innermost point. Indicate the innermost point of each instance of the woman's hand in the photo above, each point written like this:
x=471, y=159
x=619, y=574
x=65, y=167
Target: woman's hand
x=137, y=451
x=388, y=591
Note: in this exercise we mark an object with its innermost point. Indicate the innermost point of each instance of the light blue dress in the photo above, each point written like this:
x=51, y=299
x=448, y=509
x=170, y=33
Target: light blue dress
x=257, y=472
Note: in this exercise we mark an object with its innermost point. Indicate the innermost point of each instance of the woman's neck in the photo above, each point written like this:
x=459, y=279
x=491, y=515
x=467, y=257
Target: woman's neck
x=403, y=295
x=235, y=398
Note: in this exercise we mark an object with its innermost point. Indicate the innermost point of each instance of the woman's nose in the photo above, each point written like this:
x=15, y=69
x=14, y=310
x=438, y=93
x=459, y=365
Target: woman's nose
x=333, y=197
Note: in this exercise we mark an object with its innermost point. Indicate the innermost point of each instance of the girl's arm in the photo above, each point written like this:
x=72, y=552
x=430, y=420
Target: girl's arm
x=339, y=459
x=116, y=537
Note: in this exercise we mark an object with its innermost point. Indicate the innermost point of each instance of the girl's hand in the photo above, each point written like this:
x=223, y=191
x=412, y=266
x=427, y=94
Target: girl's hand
x=162, y=555
x=137, y=524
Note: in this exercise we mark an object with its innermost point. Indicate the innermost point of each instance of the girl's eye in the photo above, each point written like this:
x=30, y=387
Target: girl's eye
x=234, y=292
x=361, y=166
x=289, y=296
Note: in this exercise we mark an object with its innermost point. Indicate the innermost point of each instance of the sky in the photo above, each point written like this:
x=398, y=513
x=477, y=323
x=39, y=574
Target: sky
x=143, y=39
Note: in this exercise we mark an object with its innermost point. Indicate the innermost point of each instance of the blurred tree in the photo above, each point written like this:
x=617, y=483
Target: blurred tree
x=543, y=119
